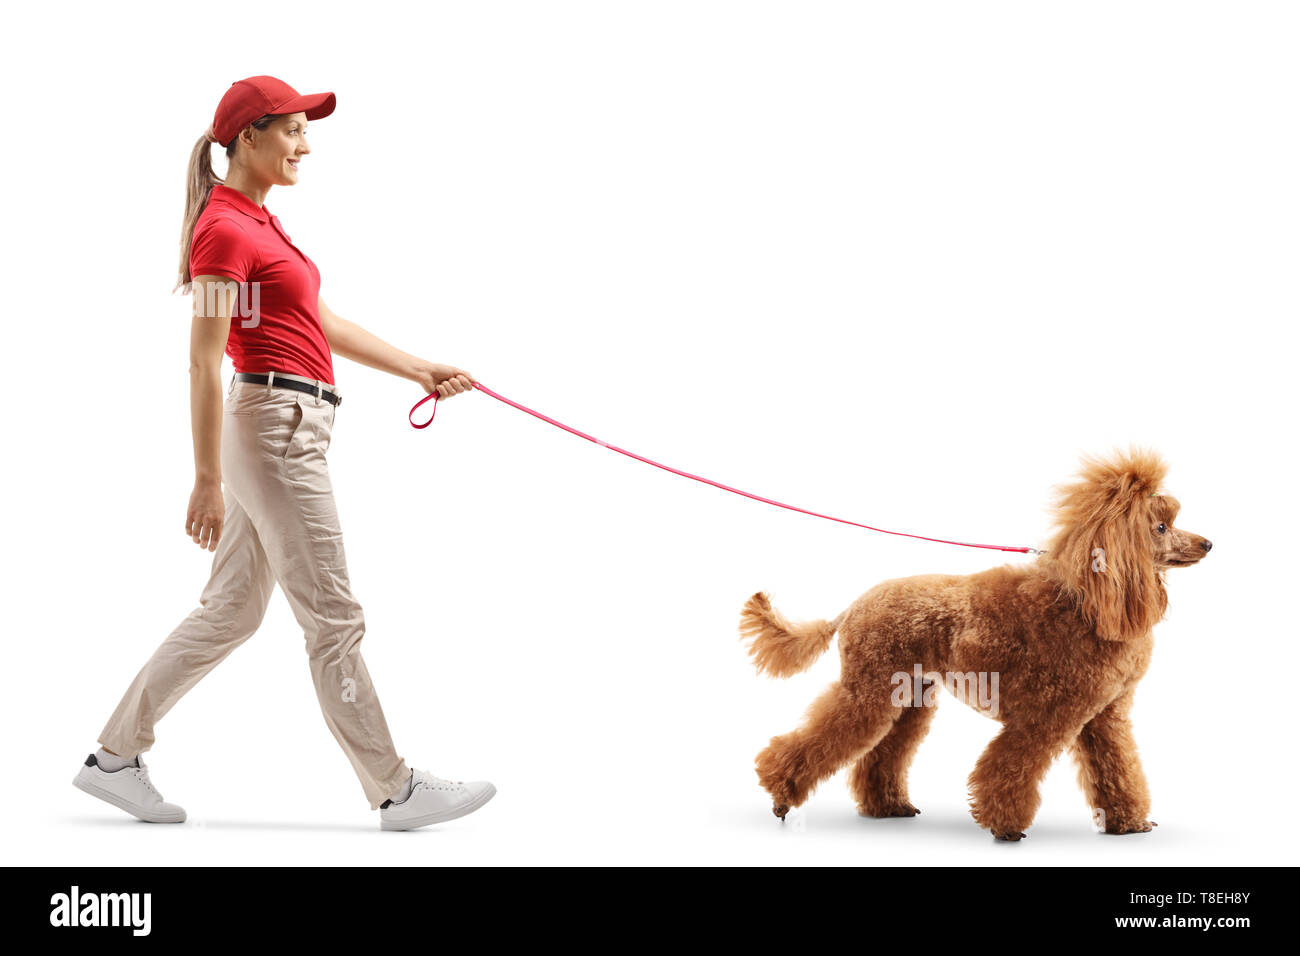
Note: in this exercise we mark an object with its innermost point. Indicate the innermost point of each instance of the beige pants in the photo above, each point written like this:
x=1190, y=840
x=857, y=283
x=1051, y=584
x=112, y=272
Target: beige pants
x=281, y=526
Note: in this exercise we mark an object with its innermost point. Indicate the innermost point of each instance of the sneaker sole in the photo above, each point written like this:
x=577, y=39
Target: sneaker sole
x=442, y=817
x=107, y=796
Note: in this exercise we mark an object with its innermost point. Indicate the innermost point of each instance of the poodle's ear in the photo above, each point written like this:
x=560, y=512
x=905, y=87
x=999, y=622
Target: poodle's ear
x=1103, y=553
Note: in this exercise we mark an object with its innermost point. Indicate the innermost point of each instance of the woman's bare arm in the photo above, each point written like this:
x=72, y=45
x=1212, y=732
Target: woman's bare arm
x=353, y=342
x=209, y=329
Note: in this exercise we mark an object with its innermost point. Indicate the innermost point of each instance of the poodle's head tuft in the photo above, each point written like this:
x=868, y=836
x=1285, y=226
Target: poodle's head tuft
x=1116, y=538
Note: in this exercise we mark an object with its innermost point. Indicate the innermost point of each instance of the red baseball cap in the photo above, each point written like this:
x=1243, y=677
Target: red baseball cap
x=256, y=96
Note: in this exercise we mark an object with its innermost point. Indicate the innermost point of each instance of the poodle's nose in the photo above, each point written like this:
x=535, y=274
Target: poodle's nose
x=1206, y=544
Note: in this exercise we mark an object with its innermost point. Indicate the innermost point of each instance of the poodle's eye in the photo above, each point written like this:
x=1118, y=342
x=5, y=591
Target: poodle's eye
x=1161, y=527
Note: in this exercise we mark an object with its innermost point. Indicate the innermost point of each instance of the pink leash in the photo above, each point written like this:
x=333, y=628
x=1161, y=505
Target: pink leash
x=685, y=474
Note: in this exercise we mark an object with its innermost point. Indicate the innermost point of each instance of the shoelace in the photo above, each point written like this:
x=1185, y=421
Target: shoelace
x=433, y=783
x=142, y=775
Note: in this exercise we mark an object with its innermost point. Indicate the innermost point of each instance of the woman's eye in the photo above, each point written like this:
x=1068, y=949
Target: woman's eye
x=1161, y=528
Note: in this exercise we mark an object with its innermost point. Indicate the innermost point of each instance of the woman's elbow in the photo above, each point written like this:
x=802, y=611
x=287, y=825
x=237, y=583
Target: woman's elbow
x=204, y=367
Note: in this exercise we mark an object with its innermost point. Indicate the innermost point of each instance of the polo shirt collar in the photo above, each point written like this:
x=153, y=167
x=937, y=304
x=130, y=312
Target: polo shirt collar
x=241, y=202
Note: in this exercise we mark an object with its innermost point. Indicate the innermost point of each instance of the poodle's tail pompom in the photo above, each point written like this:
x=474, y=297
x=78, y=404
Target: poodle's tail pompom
x=778, y=647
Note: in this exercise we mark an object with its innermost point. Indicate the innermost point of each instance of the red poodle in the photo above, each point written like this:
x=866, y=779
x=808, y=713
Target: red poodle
x=1052, y=649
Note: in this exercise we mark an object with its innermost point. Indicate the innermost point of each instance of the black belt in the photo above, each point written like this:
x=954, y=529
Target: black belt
x=258, y=378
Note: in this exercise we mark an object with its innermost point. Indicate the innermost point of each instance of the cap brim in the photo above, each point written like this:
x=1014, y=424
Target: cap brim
x=315, y=105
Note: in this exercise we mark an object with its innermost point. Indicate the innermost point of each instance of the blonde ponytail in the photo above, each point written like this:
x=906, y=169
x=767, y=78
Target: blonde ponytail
x=199, y=180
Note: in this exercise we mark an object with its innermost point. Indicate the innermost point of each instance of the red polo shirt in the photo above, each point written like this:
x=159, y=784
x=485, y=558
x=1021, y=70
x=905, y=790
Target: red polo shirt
x=279, y=328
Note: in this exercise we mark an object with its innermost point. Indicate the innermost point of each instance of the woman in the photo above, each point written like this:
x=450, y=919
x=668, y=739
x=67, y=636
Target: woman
x=256, y=297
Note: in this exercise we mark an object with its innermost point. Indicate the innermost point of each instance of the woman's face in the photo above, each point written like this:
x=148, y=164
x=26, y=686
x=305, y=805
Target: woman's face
x=280, y=147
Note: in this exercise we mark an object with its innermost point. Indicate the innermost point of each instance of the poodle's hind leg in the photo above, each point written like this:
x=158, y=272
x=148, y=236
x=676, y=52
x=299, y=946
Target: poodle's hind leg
x=838, y=727
x=879, y=778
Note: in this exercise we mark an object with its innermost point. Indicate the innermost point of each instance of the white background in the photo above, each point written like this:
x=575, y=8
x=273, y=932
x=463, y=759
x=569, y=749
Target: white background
x=901, y=263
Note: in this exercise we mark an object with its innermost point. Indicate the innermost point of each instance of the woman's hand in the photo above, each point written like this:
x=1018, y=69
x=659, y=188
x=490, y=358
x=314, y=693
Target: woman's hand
x=207, y=514
x=446, y=380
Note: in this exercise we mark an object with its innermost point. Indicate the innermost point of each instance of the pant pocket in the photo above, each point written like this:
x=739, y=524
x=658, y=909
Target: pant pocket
x=298, y=417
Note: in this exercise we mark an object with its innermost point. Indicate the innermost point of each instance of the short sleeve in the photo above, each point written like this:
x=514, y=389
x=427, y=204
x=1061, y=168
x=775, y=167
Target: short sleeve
x=221, y=248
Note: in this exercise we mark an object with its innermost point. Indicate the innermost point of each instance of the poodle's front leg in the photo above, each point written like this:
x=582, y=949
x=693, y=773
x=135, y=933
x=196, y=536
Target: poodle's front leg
x=1109, y=770
x=1004, y=783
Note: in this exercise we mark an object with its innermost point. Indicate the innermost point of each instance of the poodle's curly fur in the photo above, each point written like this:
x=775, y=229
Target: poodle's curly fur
x=1068, y=637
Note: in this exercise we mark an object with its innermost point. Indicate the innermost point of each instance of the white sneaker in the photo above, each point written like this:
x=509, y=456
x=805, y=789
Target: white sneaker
x=434, y=800
x=128, y=789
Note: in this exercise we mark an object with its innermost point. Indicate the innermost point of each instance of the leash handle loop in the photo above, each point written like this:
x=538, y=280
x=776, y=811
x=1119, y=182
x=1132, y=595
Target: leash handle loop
x=432, y=395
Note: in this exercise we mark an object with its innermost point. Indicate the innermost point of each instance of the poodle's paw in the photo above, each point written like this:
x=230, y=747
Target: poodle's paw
x=783, y=800
x=775, y=776
x=1132, y=826
x=899, y=809
x=1007, y=824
